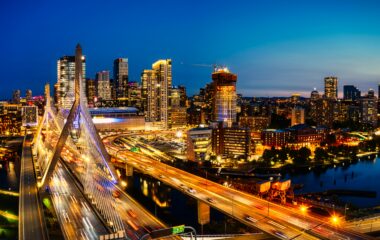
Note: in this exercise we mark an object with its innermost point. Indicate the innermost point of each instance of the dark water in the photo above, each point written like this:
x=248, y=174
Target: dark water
x=361, y=175
x=175, y=208
x=8, y=179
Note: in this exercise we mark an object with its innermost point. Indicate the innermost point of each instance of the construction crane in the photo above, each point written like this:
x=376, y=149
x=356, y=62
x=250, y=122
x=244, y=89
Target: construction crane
x=214, y=66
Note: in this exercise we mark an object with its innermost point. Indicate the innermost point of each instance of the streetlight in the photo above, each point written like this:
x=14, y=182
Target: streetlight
x=303, y=209
x=335, y=220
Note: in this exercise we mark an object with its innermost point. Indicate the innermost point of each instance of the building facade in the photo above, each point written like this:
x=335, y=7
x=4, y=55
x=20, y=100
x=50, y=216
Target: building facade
x=350, y=92
x=103, y=85
x=65, y=81
x=231, y=141
x=331, y=87
x=298, y=116
x=368, y=109
x=224, y=99
x=120, y=77
x=91, y=91
x=156, y=87
x=199, y=144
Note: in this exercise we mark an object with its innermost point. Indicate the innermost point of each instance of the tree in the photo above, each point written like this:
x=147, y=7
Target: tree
x=304, y=152
x=268, y=155
x=282, y=155
x=320, y=155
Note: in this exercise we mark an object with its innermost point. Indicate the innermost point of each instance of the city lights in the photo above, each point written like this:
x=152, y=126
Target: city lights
x=187, y=120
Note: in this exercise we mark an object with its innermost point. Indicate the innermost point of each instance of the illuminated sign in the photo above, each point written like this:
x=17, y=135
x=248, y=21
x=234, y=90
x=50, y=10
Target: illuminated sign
x=178, y=229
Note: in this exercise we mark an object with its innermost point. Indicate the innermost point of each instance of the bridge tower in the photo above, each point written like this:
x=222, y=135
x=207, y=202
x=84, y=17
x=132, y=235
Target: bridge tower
x=70, y=137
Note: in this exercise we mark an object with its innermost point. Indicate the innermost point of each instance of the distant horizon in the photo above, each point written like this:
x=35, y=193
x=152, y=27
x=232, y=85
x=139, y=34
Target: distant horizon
x=304, y=94
x=275, y=47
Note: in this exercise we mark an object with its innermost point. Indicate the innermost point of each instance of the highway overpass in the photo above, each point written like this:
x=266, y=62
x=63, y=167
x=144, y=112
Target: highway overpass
x=277, y=220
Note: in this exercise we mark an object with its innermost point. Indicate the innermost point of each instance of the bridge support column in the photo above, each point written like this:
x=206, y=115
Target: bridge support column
x=203, y=213
x=128, y=170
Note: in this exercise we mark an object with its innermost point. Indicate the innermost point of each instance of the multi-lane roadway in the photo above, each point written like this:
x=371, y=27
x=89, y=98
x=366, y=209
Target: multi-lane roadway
x=275, y=219
x=31, y=224
x=77, y=218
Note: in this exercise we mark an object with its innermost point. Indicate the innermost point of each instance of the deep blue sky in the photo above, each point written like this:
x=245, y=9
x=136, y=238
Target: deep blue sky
x=276, y=47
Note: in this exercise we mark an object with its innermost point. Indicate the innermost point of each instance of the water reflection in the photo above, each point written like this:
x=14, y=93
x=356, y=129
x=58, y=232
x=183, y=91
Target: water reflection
x=159, y=193
x=175, y=208
x=8, y=177
x=355, y=175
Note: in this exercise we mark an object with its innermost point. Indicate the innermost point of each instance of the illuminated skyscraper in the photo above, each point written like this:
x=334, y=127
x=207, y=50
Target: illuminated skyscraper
x=149, y=95
x=177, y=113
x=331, y=87
x=298, y=116
x=120, y=77
x=103, y=83
x=224, y=99
x=183, y=95
x=350, y=92
x=314, y=104
x=16, y=96
x=91, y=91
x=134, y=94
x=155, y=90
x=28, y=95
x=368, y=109
x=163, y=69
x=65, y=81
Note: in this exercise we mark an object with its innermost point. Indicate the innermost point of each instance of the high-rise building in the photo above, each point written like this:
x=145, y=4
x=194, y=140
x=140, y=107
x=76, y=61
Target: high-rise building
x=350, y=92
x=150, y=95
x=298, y=116
x=16, y=96
x=91, y=91
x=314, y=104
x=368, y=109
x=175, y=97
x=134, y=94
x=155, y=89
x=163, y=69
x=314, y=95
x=331, y=87
x=65, y=92
x=326, y=112
x=120, y=77
x=28, y=95
x=224, y=99
x=183, y=95
x=113, y=89
x=29, y=116
x=103, y=84
x=177, y=113
x=295, y=98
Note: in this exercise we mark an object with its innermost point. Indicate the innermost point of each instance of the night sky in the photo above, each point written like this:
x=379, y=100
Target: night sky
x=276, y=47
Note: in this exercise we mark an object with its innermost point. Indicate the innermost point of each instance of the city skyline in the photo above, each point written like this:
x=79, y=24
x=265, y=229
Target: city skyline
x=273, y=55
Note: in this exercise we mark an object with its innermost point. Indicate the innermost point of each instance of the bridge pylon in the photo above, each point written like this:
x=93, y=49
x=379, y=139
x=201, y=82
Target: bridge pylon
x=70, y=135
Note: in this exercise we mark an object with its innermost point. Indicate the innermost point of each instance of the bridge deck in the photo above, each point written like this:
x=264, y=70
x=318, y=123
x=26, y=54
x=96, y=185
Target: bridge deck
x=31, y=224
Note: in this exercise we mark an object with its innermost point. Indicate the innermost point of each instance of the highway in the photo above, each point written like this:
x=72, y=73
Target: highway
x=31, y=224
x=137, y=221
x=366, y=225
x=77, y=219
x=277, y=220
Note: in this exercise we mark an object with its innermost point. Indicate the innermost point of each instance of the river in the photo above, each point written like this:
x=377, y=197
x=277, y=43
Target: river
x=175, y=208
x=8, y=180
x=361, y=175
